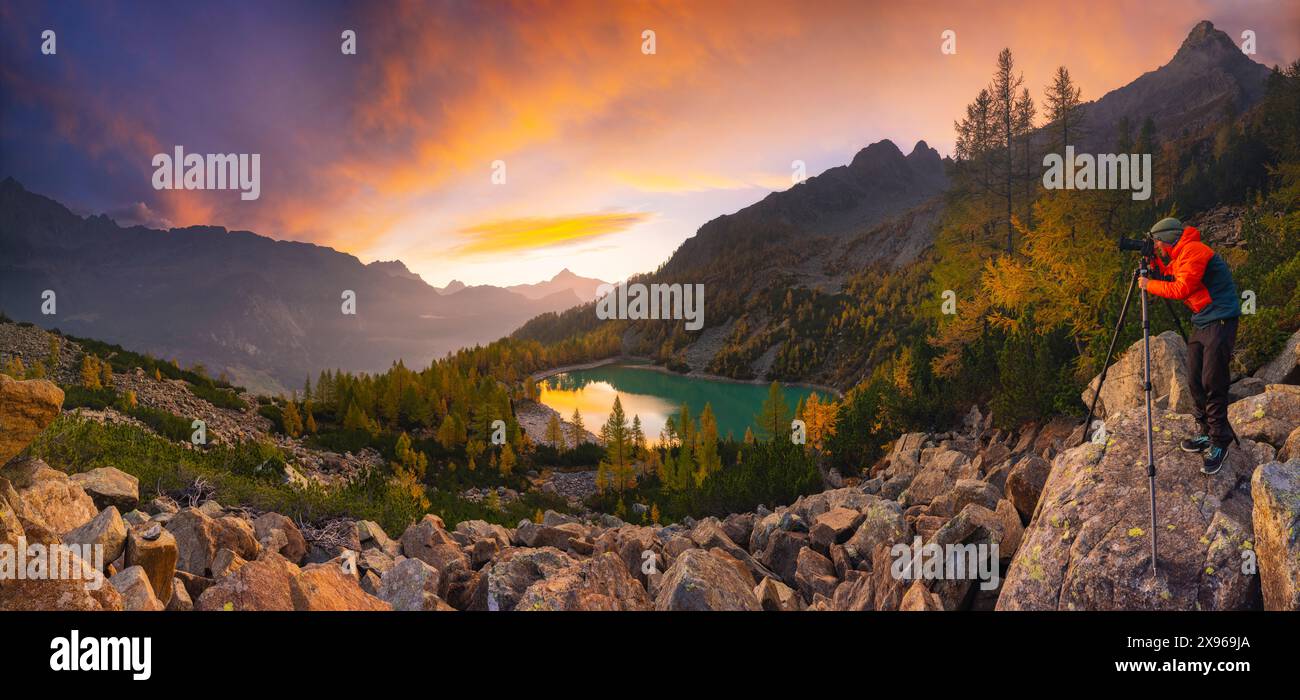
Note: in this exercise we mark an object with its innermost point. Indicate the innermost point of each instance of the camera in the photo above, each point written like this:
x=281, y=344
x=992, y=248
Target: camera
x=1146, y=247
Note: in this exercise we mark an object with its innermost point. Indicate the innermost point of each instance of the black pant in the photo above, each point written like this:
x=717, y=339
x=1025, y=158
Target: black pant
x=1209, y=352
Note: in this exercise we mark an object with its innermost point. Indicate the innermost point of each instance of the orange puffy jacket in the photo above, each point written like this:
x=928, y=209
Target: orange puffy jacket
x=1198, y=277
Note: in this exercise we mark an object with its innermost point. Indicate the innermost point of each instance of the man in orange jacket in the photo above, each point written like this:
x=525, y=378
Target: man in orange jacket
x=1197, y=276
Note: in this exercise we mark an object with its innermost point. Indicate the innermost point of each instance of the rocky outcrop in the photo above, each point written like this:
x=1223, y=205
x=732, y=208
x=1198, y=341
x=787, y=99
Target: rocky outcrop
x=1275, y=488
x=601, y=582
x=1123, y=387
x=1285, y=367
x=51, y=499
x=1088, y=546
x=26, y=408
x=1267, y=417
x=108, y=486
x=199, y=537
x=412, y=585
x=700, y=580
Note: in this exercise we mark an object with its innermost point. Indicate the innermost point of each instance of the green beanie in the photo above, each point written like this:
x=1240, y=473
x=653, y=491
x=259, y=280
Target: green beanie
x=1167, y=230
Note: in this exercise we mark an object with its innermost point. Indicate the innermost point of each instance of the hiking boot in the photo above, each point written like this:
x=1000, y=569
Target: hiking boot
x=1200, y=443
x=1214, y=458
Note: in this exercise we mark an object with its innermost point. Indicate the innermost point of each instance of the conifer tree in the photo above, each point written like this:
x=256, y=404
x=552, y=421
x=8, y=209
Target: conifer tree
x=90, y=376
x=773, y=419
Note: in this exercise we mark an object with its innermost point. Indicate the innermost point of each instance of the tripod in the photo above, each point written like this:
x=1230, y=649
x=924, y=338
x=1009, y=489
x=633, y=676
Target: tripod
x=1143, y=271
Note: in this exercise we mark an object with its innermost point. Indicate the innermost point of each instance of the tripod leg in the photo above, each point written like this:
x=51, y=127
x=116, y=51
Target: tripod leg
x=1110, y=352
x=1151, y=449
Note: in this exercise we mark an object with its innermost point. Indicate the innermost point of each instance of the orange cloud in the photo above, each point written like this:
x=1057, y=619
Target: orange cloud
x=531, y=233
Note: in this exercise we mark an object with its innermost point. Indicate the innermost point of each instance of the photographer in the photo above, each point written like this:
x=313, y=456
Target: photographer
x=1189, y=271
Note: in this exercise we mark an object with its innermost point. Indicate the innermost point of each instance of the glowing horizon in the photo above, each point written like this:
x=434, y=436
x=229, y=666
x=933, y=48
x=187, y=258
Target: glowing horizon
x=611, y=157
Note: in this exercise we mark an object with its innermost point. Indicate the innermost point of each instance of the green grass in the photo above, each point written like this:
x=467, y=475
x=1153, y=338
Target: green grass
x=239, y=474
x=250, y=474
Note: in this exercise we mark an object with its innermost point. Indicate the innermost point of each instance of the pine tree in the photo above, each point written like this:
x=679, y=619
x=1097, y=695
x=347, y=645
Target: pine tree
x=292, y=421
x=1005, y=90
x=90, y=372
x=554, y=432
x=618, y=448
x=309, y=419
x=706, y=451
x=447, y=432
x=506, y=465
x=1064, y=118
x=14, y=367
x=773, y=419
x=579, y=429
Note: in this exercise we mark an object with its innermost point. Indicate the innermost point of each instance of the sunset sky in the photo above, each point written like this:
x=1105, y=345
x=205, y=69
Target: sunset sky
x=612, y=157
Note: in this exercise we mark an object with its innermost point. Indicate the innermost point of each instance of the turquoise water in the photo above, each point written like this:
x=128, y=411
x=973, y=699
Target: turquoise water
x=654, y=396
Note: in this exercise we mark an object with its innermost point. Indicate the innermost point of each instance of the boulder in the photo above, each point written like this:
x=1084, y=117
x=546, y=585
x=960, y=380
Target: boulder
x=963, y=493
x=739, y=526
x=638, y=547
x=939, y=474
x=1291, y=447
x=226, y=562
x=327, y=587
x=265, y=584
x=814, y=574
x=1088, y=546
x=708, y=534
x=1025, y=484
x=371, y=535
x=48, y=496
x=1245, y=388
x=108, y=486
x=1123, y=387
x=834, y=527
x=106, y=530
x=279, y=534
x=1285, y=367
x=883, y=526
x=137, y=593
x=153, y=549
x=180, y=600
x=11, y=528
x=502, y=584
x=775, y=596
x=919, y=599
x=1275, y=488
x=1268, y=417
x=412, y=585
x=84, y=589
x=428, y=541
x=698, y=580
x=26, y=408
x=601, y=582
x=199, y=537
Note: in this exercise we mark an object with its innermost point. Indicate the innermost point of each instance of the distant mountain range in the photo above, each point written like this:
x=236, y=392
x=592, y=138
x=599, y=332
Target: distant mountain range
x=266, y=312
x=882, y=210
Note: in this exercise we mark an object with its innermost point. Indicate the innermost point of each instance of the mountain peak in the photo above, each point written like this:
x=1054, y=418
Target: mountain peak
x=879, y=152
x=1204, y=37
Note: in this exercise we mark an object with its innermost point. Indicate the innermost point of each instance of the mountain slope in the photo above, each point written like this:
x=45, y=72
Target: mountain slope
x=267, y=312
x=1206, y=77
